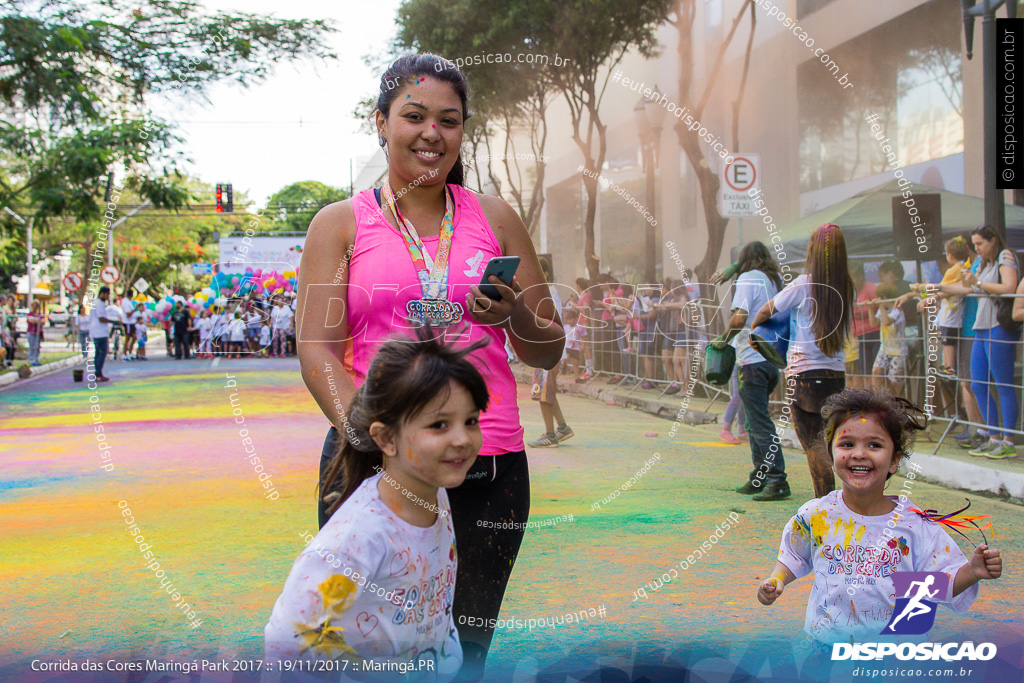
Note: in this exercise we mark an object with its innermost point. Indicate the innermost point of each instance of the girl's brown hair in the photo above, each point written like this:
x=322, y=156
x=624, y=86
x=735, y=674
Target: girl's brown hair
x=899, y=417
x=404, y=377
x=831, y=288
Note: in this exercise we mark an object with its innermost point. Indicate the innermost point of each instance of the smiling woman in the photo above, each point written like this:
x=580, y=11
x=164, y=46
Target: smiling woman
x=419, y=245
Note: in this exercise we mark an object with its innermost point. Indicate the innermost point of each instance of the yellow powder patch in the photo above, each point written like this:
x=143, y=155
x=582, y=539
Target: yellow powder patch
x=819, y=526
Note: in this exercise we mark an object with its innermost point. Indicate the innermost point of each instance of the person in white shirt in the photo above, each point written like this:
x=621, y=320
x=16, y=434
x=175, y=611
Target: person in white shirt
x=891, y=362
x=83, y=331
x=758, y=282
x=854, y=541
x=205, y=327
x=264, y=340
x=237, y=334
x=281, y=324
x=129, y=315
x=375, y=587
x=99, y=330
x=820, y=300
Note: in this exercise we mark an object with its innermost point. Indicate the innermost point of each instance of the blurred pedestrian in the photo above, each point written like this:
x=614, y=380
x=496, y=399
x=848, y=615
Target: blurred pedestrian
x=99, y=330
x=82, y=322
x=35, y=332
x=545, y=386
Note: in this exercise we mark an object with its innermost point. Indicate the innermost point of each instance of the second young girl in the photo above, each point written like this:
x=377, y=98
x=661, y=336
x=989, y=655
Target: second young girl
x=855, y=539
x=376, y=584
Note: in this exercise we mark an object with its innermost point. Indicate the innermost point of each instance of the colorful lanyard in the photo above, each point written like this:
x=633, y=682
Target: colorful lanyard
x=433, y=273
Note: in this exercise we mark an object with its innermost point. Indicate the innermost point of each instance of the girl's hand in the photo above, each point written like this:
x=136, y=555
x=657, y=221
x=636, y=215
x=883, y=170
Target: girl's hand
x=969, y=279
x=985, y=563
x=496, y=313
x=770, y=590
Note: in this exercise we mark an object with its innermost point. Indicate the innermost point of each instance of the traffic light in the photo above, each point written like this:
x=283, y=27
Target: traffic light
x=225, y=198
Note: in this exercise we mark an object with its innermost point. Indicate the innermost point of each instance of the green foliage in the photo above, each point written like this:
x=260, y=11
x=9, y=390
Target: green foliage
x=73, y=96
x=293, y=207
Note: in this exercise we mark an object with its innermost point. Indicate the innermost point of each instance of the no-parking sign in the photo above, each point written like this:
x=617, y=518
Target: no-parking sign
x=73, y=282
x=739, y=178
x=110, y=274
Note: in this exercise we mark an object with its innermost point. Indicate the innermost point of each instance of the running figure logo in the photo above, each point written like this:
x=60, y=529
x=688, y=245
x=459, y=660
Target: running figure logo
x=914, y=613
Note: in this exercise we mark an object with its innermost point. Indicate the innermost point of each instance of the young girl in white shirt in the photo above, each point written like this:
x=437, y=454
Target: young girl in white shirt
x=855, y=539
x=205, y=327
x=376, y=585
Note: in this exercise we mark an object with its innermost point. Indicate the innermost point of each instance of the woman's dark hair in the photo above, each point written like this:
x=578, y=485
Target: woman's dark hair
x=988, y=234
x=583, y=283
x=404, y=377
x=755, y=256
x=899, y=417
x=831, y=288
x=627, y=290
x=411, y=67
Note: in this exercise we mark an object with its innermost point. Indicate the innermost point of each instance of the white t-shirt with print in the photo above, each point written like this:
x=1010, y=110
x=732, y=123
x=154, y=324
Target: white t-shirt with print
x=803, y=353
x=824, y=533
x=265, y=335
x=371, y=586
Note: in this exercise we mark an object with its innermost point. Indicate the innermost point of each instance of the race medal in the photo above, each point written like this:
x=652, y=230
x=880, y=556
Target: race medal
x=436, y=312
x=434, y=308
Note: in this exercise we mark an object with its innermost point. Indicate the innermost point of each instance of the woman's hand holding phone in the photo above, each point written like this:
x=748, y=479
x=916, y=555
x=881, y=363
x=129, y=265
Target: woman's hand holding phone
x=495, y=312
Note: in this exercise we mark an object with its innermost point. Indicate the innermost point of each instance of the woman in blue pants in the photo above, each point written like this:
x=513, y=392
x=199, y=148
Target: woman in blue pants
x=992, y=358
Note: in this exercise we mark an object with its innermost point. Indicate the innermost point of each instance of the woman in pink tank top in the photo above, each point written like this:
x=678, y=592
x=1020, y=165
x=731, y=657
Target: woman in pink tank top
x=417, y=247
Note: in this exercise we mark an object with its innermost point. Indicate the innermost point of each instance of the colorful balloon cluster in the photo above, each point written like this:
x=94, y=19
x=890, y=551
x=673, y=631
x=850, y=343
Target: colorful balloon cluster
x=265, y=282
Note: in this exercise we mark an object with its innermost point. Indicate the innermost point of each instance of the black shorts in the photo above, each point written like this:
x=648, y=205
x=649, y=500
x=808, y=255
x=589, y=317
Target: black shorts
x=950, y=335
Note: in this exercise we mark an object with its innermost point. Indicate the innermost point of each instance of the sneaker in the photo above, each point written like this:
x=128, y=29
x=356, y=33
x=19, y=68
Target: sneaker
x=563, y=434
x=986, y=448
x=102, y=379
x=646, y=385
x=748, y=489
x=1002, y=452
x=673, y=389
x=743, y=436
x=946, y=371
x=773, y=492
x=969, y=441
x=546, y=440
x=727, y=436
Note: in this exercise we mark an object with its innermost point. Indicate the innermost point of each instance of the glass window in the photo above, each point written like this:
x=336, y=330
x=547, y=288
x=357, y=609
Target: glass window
x=805, y=7
x=908, y=73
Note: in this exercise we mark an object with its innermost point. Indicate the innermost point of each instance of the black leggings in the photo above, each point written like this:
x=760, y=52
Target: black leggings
x=497, y=491
x=810, y=391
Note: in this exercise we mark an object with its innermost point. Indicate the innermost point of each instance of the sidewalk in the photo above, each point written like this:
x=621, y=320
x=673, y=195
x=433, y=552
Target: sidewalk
x=9, y=378
x=950, y=466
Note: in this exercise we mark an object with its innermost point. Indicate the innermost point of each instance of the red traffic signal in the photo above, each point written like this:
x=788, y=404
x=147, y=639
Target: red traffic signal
x=225, y=198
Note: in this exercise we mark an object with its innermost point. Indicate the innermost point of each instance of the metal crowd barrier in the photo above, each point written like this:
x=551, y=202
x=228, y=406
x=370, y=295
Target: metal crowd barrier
x=617, y=353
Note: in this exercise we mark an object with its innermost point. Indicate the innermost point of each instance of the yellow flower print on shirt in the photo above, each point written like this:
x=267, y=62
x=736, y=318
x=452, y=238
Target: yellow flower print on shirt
x=337, y=595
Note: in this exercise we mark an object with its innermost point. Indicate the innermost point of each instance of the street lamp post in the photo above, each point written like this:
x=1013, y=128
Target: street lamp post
x=995, y=209
x=650, y=117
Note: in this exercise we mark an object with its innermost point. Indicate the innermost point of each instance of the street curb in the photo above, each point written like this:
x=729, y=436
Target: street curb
x=12, y=377
x=935, y=469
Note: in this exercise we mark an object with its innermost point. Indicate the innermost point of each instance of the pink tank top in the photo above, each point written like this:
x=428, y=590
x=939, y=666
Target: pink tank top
x=382, y=280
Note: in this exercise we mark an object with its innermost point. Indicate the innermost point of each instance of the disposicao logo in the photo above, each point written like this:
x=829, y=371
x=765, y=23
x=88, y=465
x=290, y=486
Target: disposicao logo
x=914, y=615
